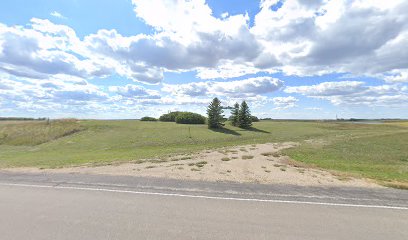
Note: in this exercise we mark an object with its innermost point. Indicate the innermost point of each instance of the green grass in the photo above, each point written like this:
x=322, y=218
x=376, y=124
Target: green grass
x=383, y=157
x=374, y=151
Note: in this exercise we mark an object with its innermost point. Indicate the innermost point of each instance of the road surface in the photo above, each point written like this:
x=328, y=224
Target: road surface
x=79, y=206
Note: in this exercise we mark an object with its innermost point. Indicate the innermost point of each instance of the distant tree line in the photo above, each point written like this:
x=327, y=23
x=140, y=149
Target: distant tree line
x=21, y=119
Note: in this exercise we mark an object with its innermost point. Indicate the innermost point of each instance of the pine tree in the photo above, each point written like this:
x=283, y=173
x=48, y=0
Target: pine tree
x=245, y=120
x=215, y=117
x=235, y=115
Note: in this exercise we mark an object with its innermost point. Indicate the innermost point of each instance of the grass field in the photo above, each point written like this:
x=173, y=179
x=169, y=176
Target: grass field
x=378, y=151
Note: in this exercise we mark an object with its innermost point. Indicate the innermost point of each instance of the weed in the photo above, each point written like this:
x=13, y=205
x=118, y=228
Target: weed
x=201, y=164
x=247, y=157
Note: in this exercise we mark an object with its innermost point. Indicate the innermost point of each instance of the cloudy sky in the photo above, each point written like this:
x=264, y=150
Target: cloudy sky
x=128, y=59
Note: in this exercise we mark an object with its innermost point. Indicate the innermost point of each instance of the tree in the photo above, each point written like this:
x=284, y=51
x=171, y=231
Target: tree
x=235, y=115
x=245, y=120
x=215, y=117
x=190, y=118
x=169, y=117
x=255, y=118
x=148, y=119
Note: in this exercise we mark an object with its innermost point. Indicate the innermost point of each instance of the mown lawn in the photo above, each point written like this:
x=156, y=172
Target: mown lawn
x=370, y=150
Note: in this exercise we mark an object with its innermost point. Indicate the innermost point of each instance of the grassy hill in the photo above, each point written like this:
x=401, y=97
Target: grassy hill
x=377, y=151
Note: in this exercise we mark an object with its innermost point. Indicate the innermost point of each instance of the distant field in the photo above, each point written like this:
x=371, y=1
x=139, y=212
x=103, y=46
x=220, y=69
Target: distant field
x=378, y=151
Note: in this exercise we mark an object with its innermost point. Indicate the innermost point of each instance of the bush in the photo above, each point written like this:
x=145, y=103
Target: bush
x=190, y=118
x=148, y=119
x=254, y=119
x=169, y=117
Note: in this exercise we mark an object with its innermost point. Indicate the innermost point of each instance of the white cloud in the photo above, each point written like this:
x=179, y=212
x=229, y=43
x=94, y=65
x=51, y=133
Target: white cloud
x=355, y=93
x=134, y=91
x=335, y=36
x=57, y=15
x=328, y=88
x=301, y=37
x=237, y=89
x=284, y=102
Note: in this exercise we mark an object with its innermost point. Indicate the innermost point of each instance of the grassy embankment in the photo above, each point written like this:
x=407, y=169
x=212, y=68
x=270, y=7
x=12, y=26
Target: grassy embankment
x=375, y=151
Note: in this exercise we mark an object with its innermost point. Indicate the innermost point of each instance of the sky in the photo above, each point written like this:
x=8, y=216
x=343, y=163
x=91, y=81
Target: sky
x=296, y=59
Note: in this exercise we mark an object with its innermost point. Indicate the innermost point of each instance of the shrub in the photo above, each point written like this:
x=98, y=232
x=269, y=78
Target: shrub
x=254, y=119
x=169, y=117
x=190, y=118
x=148, y=119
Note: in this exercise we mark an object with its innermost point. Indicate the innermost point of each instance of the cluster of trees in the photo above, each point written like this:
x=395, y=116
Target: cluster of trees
x=190, y=118
x=240, y=115
x=178, y=117
x=148, y=119
x=169, y=117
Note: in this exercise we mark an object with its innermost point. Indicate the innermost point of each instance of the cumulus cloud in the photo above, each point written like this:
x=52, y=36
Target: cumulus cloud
x=355, y=93
x=238, y=89
x=360, y=37
x=284, y=102
x=134, y=91
x=328, y=88
x=294, y=36
x=43, y=50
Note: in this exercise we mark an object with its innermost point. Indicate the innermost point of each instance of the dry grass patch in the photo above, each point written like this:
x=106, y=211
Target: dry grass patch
x=273, y=154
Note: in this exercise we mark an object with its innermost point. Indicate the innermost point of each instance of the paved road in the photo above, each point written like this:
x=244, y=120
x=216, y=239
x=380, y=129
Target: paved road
x=77, y=206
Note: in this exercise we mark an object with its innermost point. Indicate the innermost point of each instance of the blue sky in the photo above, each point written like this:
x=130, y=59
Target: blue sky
x=128, y=59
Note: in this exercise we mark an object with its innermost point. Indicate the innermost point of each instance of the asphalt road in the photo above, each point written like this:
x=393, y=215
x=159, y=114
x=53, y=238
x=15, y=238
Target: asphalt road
x=74, y=206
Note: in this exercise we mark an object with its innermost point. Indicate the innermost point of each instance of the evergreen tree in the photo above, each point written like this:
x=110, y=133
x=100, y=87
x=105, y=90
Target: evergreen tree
x=215, y=117
x=235, y=115
x=245, y=120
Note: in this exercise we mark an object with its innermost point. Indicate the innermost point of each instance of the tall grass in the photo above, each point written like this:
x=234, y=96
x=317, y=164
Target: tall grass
x=33, y=133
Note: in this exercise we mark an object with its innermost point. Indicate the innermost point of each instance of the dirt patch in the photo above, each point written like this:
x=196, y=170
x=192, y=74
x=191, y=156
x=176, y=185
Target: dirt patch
x=261, y=163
